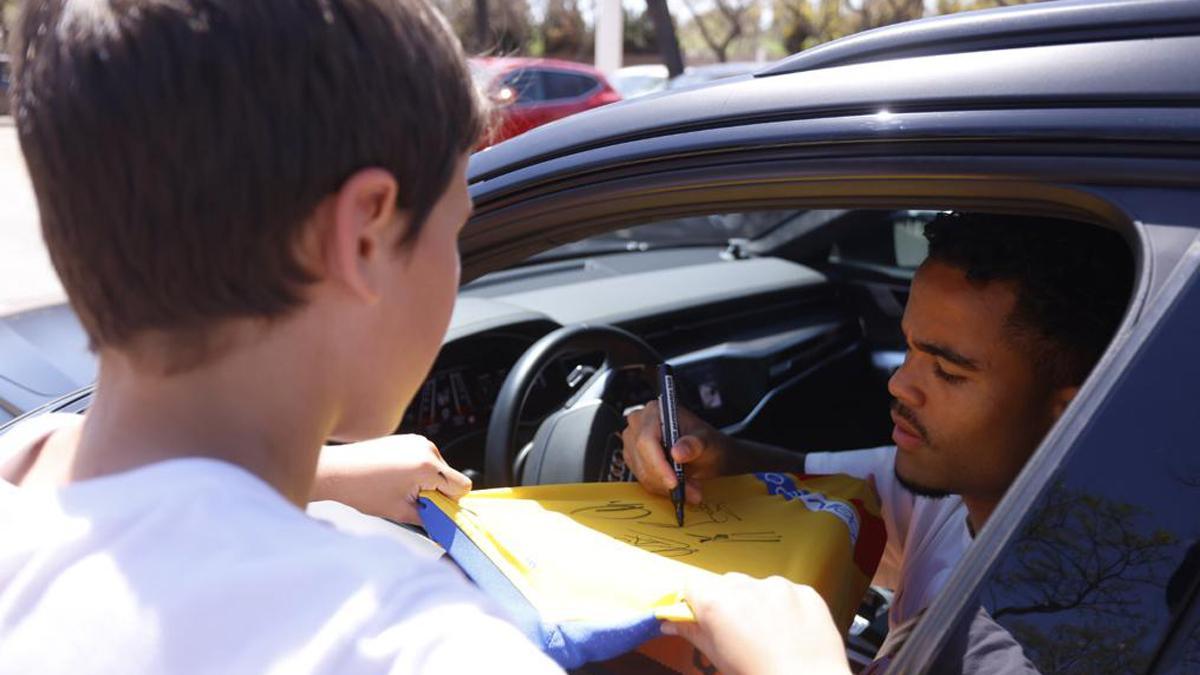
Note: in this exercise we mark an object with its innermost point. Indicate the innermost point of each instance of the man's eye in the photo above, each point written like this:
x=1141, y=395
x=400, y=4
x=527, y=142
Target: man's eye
x=947, y=377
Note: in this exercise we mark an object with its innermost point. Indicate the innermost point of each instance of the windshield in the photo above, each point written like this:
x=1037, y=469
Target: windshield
x=709, y=230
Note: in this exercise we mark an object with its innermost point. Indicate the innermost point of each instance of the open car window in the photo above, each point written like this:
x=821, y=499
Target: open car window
x=866, y=238
x=897, y=242
x=1105, y=561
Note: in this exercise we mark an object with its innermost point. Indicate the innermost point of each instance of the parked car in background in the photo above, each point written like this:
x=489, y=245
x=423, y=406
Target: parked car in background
x=698, y=75
x=634, y=81
x=531, y=92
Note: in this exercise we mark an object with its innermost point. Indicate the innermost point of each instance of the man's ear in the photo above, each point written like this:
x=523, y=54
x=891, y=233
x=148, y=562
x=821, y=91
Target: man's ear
x=366, y=226
x=1061, y=398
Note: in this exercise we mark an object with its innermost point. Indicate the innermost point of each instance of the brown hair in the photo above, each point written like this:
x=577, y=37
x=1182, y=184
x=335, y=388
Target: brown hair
x=177, y=147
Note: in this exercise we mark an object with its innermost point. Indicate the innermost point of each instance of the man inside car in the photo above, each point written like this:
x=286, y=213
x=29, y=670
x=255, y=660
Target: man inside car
x=1006, y=318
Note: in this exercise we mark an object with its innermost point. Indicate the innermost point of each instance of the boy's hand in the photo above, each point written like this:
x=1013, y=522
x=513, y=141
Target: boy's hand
x=700, y=446
x=758, y=626
x=382, y=477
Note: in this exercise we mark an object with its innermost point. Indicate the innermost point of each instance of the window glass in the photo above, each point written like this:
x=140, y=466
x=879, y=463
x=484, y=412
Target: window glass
x=898, y=240
x=566, y=85
x=708, y=230
x=1107, y=555
x=526, y=84
x=875, y=237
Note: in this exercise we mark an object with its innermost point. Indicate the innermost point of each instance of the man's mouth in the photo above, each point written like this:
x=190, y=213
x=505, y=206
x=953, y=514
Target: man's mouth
x=906, y=435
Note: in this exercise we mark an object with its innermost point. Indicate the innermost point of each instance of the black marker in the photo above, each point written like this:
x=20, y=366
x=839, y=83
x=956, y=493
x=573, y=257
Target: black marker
x=668, y=418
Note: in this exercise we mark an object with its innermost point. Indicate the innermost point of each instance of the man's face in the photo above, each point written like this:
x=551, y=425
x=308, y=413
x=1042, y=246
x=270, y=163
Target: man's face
x=970, y=407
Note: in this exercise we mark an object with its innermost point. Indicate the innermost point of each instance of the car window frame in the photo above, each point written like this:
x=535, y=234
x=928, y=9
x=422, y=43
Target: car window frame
x=1130, y=207
x=958, y=596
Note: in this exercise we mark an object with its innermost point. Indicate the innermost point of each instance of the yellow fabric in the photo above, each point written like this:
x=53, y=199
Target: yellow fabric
x=595, y=550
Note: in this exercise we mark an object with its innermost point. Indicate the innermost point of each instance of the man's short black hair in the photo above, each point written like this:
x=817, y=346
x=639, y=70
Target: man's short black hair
x=1073, y=280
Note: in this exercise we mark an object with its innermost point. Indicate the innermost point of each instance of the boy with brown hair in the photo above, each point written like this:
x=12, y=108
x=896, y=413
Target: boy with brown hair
x=254, y=208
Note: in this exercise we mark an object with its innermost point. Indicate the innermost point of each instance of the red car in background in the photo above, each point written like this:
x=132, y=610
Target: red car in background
x=531, y=92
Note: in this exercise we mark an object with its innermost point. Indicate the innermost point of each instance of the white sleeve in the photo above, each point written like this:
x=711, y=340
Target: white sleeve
x=857, y=463
x=896, y=503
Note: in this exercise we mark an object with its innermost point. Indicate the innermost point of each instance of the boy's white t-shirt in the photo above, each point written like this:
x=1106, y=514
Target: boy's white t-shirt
x=198, y=566
x=925, y=537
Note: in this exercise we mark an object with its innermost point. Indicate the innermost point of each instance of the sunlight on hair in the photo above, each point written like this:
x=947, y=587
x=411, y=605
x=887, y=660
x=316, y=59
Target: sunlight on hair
x=87, y=17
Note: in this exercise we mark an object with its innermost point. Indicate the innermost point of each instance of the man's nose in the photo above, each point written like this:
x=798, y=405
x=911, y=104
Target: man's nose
x=904, y=387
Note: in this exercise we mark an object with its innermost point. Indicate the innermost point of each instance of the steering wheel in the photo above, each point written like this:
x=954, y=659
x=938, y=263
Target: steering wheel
x=572, y=443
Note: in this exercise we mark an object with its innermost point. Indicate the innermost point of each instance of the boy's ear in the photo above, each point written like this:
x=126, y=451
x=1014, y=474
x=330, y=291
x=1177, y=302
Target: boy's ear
x=363, y=233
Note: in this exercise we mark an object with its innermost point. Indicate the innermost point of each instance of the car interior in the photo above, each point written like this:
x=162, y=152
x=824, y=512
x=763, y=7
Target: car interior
x=782, y=326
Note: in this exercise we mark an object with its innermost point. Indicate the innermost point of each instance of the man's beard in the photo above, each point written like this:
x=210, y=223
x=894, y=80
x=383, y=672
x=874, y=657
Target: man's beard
x=909, y=416
x=918, y=489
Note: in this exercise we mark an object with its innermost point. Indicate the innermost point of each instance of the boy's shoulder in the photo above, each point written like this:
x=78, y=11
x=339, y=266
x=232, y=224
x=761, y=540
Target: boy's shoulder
x=206, y=550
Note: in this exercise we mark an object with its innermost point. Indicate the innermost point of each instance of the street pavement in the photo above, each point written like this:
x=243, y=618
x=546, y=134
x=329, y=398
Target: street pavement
x=27, y=279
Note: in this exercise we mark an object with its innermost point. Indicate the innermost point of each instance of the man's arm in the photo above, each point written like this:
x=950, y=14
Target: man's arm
x=750, y=457
x=705, y=450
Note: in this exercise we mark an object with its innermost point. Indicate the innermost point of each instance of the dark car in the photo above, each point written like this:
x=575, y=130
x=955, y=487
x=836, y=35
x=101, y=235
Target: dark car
x=531, y=92
x=761, y=236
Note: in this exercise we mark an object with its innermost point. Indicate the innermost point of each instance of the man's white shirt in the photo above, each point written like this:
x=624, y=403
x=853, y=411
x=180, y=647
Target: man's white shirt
x=198, y=566
x=925, y=537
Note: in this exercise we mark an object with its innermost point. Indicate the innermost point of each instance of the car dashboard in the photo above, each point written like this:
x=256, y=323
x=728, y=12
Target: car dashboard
x=739, y=332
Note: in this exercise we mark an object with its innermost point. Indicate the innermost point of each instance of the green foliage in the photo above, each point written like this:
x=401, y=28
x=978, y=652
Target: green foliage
x=639, y=36
x=806, y=23
x=721, y=25
x=8, y=17
x=509, y=25
x=564, y=32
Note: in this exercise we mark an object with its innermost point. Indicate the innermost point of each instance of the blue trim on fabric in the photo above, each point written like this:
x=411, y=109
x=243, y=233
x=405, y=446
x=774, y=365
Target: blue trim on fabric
x=571, y=644
x=575, y=643
x=480, y=569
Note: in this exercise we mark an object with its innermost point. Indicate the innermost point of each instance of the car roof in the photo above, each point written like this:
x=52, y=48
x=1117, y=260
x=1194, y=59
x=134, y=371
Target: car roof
x=1060, y=22
x=1154, y=69
x=643, y=69
x=726, y=68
